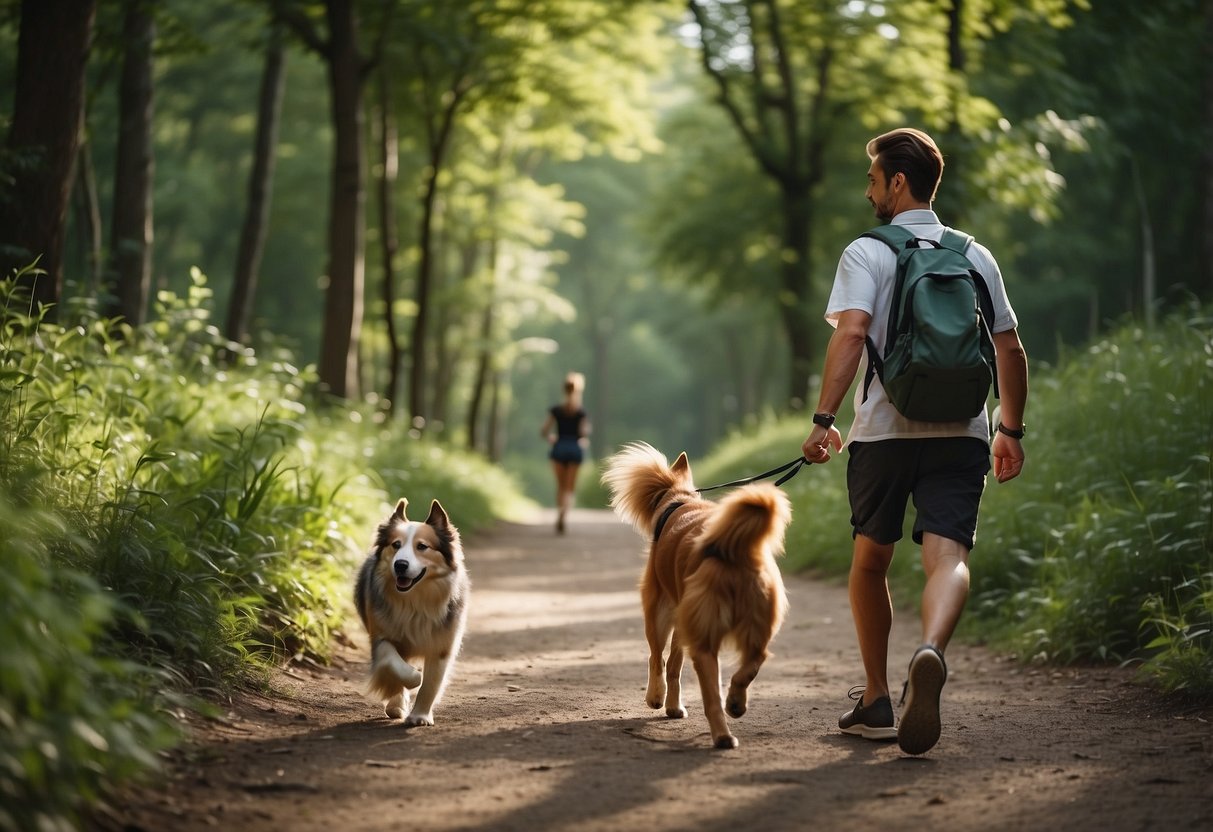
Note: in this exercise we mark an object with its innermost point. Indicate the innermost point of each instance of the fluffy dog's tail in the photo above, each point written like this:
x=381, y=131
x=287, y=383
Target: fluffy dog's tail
x=749, y=523
x=641, y=481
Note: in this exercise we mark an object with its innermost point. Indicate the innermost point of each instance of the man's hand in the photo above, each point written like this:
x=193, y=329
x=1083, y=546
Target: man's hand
x=1008, y=457
x=817, y=447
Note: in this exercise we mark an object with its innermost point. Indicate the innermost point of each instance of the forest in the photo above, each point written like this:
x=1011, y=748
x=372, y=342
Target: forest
x=265, y=264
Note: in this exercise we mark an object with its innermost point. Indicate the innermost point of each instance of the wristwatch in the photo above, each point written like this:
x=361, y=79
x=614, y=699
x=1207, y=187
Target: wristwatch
x=1014, y=434
x=826, y=420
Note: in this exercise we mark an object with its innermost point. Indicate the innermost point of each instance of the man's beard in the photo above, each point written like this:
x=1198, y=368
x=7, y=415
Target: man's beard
x=884, y=210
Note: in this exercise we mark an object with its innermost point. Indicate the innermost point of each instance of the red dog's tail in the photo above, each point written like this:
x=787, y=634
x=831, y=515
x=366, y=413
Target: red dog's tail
x=749, y=524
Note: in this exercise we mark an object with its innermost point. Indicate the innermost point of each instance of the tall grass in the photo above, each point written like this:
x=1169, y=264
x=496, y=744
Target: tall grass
x=74, y=719
x=179, y=515
x=1104, y=551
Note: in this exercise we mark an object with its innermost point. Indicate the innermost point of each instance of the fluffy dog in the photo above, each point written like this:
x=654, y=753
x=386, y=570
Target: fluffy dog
x=412, y=594
x=711, y=578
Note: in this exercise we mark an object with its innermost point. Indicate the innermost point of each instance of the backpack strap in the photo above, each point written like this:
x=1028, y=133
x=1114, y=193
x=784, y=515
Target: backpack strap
x=895, y=237
x=959, y=241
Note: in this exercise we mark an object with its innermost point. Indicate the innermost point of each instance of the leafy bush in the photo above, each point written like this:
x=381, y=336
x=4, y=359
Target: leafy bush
x=73, y=723
x=1110, y=527
x=185, y=518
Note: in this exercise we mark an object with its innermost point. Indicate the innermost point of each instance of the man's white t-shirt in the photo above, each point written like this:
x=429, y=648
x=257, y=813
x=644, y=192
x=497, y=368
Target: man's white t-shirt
x=865, y=281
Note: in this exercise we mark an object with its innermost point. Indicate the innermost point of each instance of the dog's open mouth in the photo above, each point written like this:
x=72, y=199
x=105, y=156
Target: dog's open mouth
x=404, y=584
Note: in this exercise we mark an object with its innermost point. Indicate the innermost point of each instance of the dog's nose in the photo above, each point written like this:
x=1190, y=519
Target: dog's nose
x=401, y=567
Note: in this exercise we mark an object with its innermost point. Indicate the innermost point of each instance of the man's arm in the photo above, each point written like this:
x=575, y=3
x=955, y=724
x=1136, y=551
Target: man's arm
x=843, y=355
x=1012, y=400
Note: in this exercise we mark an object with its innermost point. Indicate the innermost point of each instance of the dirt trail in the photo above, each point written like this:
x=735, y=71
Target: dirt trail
x=544, y=727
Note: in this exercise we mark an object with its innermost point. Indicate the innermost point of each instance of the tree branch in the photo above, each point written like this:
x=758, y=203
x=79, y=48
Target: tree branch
x=787, y=102
x=289, y=15
x=761, y=153
x=385, y=26
x=817, y=127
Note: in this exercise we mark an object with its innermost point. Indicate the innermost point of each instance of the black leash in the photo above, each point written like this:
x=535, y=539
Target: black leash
x=795, y=465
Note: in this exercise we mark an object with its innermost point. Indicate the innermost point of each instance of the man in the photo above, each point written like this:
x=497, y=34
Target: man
x=943, y=465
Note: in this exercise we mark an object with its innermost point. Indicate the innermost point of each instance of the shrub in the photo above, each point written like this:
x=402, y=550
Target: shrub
x=74, y=723
x=179, y=516
x=1110, y=526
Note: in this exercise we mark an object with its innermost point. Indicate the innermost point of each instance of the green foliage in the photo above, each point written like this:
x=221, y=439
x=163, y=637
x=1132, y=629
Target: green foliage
x=73, y=723
x=173, y=517
x=1180, y=657
x=1107, y=539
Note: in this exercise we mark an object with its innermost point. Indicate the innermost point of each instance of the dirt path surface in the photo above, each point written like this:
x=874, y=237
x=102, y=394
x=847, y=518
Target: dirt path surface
x=544, y=727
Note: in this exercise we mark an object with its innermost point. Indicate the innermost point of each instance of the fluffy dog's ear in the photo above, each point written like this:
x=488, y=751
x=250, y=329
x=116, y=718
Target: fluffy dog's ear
x=438, y=518
x=400, y=507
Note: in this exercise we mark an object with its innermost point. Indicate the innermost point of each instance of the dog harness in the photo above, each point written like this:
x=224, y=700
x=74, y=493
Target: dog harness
x=665, y=517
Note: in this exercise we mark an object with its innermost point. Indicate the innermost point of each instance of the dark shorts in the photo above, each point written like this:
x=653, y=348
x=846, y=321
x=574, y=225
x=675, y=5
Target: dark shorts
x=945, y=477
x=566, y=449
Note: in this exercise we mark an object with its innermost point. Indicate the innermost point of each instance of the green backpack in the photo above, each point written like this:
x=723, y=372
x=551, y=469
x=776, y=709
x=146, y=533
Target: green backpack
x=938, y=363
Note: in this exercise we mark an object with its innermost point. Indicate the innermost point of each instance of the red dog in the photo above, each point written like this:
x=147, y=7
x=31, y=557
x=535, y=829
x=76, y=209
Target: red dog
x=711, y=577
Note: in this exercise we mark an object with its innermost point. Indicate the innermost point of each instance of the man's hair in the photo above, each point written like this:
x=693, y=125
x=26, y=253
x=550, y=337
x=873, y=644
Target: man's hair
x=913, y=153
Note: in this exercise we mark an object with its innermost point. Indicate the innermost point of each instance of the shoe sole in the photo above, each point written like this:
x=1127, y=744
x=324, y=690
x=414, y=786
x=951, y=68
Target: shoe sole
x=919, y=729
x=870, y=733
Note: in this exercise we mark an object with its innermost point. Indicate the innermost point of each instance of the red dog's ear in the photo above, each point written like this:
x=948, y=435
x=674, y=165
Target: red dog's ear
x=682, y=464
x=400, y=507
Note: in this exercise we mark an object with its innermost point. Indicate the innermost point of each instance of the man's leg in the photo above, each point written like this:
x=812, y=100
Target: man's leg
x=943, y=599
x=872, y=610
x=945, y=563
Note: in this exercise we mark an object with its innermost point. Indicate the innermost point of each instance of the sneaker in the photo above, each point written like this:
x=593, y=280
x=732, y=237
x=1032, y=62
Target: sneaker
x=872, y=722
x=919, y=729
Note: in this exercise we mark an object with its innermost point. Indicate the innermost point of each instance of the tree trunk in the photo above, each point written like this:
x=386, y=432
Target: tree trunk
x=794, y=274
x=439, y=139
x=598, y=386
x=955, y=146
x=1207, y=227
x=130, y=271
x=1148, y=279
x=789, y=146
x=52, y=52
x=390, y=147
x=437, y=378
x=425, y=268
x=484, y=362
x=260, y=189
x=342, y=330
x=496, y=429
x=89, y=212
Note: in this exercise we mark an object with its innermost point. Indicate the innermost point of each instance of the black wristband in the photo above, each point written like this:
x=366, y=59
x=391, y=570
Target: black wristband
x=825, y=420
x=1014, y=434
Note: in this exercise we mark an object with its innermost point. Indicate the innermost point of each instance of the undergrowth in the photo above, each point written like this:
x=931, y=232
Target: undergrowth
x=1104, y=549
x=177, y=514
